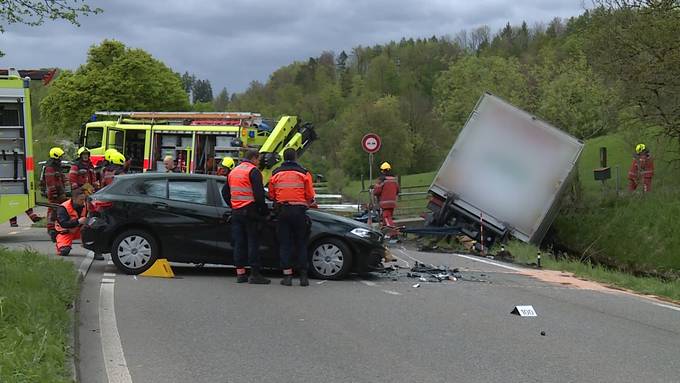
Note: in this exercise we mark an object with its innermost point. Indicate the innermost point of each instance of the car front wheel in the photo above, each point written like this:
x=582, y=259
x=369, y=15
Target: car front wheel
x=134, y=251
x=330, y=259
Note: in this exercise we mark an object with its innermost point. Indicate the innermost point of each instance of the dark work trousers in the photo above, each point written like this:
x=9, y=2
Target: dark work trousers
x=244, y=232
x=292, y=232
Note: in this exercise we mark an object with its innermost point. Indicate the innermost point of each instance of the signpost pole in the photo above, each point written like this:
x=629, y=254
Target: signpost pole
x=371, y=144
x=370, y=191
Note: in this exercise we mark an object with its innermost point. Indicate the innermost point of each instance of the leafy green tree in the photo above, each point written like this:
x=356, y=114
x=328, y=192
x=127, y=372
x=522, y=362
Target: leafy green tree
x=221, y=102
x=34, y=12
x=635, y=44
x=383, y=118
x=202, y=91
x=114, y=78
x=188, y=81
x=382, y=76
x=458, y=89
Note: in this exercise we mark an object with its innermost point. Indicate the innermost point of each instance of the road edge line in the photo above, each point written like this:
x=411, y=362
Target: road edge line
x=112, y=348
x=74, y=358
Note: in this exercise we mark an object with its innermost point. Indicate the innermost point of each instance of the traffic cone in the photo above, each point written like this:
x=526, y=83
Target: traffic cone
x=161, y=269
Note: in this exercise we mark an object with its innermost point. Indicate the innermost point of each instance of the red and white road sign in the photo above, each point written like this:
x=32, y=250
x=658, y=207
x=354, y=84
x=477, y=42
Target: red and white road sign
x=371, y=143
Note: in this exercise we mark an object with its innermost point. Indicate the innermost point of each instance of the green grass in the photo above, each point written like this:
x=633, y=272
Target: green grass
x=526, y=254
x=35, y=296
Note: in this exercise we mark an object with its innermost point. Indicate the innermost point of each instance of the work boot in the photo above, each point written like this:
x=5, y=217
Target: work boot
x=287, y=280
x=304, y=281
x=65, y=251
x=53, y=235
x=257, y=279
x=241, y=278
x=98, y=257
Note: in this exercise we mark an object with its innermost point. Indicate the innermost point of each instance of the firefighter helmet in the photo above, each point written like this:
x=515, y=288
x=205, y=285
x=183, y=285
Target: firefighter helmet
x=228, y=163
x=108, y=154
x=385, y=166
x=640, y=148
x=83, y=150
x=117, y=159
x=56, y=152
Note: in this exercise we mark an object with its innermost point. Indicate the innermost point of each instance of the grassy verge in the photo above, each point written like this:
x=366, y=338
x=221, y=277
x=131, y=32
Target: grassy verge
x=35, y=297
x=526, y=254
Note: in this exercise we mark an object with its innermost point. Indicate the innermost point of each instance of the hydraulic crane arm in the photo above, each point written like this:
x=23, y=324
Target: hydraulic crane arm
x=288, y=133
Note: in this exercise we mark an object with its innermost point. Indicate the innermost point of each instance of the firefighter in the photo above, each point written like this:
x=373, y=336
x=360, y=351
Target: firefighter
x=292, y=189
x=642, y=167
x=71, y=215
x=56, y=190
x=101, y=167
x=228, y=164
x=82, y=171
x=114, y=168
x=386, y=191
x=246, y=198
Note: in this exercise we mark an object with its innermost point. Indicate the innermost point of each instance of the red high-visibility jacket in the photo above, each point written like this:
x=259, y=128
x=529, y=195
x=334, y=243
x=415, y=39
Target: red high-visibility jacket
x=54, y=180
x=387, y=190
x=82, y=172
x=292, y=184
x=240, y=187
x=642, y=167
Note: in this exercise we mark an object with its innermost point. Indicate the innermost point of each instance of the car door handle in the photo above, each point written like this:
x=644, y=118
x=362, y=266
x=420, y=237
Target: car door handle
x=226, y=217
x=160, y=205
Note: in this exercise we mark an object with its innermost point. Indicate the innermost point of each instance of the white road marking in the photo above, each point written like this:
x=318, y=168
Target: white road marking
x=321, y=282
x=85, y=264
x=391, y=292
x=108, y=280
x=477, y=259
x=109, y=275
x=369, y=283
x=110, y=263
x=112, y=349
x=13, y=232
x=667, y=306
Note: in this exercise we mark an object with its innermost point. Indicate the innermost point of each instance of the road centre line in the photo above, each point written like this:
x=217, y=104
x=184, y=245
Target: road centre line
x=369, y=283
x=112, y=349
x=477, y=259
x=391, y=292
x=109, y=275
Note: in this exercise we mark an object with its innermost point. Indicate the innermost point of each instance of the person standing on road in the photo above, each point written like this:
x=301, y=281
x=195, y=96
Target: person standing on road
x=82, y=171
x=13, y=222
x=102, y=165
x=292, y=189
x=386, y=191
x=642, y=167
x=170, y=166
x=248, y=211
x=55, y=183
x=114, y=168
x=228, y=164
x=71, y=216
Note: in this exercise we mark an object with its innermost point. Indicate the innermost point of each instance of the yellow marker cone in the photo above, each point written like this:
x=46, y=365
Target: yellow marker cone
x=161, y=268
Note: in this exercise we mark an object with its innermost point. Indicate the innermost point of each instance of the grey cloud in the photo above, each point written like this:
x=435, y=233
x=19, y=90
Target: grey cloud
x=234, y=42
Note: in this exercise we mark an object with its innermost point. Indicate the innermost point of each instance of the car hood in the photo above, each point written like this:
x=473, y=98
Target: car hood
x=332, y=217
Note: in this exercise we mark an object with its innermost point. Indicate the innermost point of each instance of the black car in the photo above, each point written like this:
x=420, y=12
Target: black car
x=183, y=217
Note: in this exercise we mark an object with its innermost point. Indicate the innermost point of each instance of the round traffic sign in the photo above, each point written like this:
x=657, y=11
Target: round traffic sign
x=371, y=143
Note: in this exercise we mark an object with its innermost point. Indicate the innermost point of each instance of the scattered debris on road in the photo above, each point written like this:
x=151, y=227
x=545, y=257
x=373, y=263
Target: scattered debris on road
x=428, y=273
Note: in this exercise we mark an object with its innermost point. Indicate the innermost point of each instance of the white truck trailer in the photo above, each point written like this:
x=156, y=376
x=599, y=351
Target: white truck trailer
x=506, y=172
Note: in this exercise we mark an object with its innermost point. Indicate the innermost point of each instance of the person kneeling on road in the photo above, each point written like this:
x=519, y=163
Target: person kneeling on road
x=245, y=195
x=71, y=215
x=292, y=189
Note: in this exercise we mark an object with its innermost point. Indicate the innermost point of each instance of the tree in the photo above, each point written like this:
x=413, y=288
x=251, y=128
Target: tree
x=114, y=78
x=34, y=12
x=383, y=118
x=634, y=43
x=221, y=102
x=202, y=91
x=382, y=76
x=458, y=89
x=188, y=81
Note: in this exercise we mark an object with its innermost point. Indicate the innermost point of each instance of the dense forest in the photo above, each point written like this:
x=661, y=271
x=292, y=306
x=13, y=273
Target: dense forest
x=615, y=67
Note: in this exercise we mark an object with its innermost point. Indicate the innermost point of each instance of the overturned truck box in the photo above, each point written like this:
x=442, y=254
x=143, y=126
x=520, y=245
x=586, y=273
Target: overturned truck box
x=505, y=172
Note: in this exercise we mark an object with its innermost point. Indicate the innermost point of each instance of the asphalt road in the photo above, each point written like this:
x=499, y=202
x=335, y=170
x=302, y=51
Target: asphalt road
x=203, y=327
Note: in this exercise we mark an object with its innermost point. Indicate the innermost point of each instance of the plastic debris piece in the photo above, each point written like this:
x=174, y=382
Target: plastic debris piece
x=416, y=285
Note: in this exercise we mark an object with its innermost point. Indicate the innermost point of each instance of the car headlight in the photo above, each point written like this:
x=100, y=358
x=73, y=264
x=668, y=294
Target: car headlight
x=361, y=232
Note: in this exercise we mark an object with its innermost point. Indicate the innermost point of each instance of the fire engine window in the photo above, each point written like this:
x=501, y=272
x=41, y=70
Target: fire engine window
x=93, y=139
x=116, y=140
x=9, y=115
x=189, y=191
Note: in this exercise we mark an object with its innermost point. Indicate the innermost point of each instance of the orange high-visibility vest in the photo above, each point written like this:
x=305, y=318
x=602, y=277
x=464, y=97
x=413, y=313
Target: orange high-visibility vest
x=68, y=205
x=240, y=188
x=291, y=187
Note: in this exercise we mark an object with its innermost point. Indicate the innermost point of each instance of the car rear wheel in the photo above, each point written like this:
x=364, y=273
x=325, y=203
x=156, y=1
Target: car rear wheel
x=134, y=251
x=330, y=259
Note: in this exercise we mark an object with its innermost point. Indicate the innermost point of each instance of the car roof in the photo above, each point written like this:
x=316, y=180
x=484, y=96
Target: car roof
x=159, y=175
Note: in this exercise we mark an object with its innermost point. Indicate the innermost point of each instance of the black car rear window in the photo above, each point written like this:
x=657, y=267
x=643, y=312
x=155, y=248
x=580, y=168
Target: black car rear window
x=188, y=191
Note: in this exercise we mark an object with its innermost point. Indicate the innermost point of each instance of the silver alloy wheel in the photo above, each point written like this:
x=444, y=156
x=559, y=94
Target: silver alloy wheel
x=327, y=259
x=134, y=251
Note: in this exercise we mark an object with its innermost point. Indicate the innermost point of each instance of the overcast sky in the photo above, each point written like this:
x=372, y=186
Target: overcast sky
x=233, y=42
